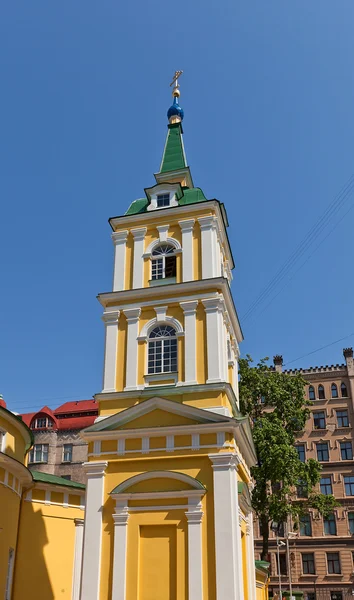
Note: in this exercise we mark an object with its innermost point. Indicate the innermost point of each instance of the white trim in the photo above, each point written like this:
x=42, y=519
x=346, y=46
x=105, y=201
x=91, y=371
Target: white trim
x=120, y=243
x=159, y=189
x=149, y=326
x=228, y=551
x=91, y=564
x=195, y=441
x=194, y=495
x=120, y=519
x=187, y=479
x=163, y=230
x=194, y=516
x=111, y=320
x=187, y=245
x=171, y=241
x=2, y=440
x=131, y=371
x=213, y=307
x=208, y=235
x=138, y=261
x=250, y=558
x=190, y=344
x=79, y=538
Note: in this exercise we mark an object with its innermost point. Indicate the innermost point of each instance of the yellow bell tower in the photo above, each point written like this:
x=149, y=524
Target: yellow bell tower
x=168, y=513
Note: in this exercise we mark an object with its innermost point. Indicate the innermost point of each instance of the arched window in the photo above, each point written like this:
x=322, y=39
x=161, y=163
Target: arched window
x=162, y=350
x=343, y=390
x=334, y=391
x=163, y=263
x=312, y=394
x=321, y=393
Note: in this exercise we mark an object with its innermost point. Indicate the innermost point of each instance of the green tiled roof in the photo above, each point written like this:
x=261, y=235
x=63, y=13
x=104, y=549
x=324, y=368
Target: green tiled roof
x=262, y=564
x=190, y=196
x=47, y=478
x=173, y=156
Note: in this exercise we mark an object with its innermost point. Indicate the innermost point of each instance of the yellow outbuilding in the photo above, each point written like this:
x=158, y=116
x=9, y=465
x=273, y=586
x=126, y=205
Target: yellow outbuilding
x=168, y=511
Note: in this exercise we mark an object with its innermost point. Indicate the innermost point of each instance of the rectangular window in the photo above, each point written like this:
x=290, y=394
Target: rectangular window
x=346, y=451
x=283, y=565
x=305, y=525
x=163, y=200
x=68, y=477
x=336, y=595
x=322, y=452
x=9, y=574
x=326, y=486
x=342, y=418
x=349, y=485
x=333, y=563
x=157, y=268
x=301, y=490
x=39, y=453
x=311, y=595
x=330, y=527
x=41, y=422
x=308, y=564
x=319, y=420
x=301, y=452
x=2, y=440
x=351, y=522
x=67, y=452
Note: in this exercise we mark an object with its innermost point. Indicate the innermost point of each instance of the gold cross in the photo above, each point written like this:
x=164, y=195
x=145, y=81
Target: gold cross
x=175, y=78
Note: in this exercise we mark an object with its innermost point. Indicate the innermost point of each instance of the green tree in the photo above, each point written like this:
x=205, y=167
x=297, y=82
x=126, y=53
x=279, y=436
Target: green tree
x=278, y=409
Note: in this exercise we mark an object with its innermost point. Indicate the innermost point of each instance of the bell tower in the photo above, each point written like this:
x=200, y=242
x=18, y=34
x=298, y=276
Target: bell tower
x=168, y=509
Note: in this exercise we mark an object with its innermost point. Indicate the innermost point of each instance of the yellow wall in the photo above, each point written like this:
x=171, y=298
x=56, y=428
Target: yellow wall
x=14, y=441
x=9, y=518
x=45, y=554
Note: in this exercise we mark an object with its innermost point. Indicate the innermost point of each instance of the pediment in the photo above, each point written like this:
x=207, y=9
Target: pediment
x=157, y=412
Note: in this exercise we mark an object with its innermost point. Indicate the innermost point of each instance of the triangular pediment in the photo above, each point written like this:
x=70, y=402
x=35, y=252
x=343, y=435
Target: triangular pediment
x=158, y=412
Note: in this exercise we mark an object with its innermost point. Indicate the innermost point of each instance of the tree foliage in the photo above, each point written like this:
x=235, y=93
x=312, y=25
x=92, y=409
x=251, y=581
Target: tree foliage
x=278, y=409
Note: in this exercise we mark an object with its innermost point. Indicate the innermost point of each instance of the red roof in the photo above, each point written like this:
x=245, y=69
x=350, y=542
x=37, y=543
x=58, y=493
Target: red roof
x=77, y=406
x=74, y=421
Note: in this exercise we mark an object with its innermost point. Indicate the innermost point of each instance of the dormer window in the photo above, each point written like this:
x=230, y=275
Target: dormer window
x=163, y=264
x=162, y=200
x=42, y=423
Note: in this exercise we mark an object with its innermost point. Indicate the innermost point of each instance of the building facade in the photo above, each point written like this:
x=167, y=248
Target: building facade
x=41, y=522
x=58, y=448
x=322, y=555
x=168, y=513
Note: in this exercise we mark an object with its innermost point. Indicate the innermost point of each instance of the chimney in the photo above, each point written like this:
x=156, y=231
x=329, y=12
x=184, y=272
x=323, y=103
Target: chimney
x=348, y=355
x=278, y=362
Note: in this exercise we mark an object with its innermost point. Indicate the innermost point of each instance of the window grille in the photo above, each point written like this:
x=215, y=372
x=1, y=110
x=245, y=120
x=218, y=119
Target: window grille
x=334, y=391
x=326, y=486
x=163, y=264
x=322, y=452
x=342, y=418
x=39, y=453
x=162, y=350
x=346, y=451
x=163, y=200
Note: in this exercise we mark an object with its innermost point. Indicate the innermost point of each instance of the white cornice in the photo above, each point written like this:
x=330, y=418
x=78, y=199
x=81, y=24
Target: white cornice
x=142, y=296
x=17, y=469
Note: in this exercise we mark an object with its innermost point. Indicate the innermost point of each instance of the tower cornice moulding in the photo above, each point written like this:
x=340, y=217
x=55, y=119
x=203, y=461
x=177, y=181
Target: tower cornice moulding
x=119, y=237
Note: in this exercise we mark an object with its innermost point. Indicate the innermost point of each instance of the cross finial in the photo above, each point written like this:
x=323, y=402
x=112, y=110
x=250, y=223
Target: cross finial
x=174, y=82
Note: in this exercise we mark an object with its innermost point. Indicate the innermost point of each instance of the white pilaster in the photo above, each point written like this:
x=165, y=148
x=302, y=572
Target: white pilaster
x=91, y=563
x=215, y=352
x=111, y=348
x=208, y=232
x=138, y=266
x=250, y=559
x=194, y=516
x=187, y=249
x=190, y=341
x=120, y=243
x=120, y=552
x=132, y=315
x=228, y=552
x=79, y=537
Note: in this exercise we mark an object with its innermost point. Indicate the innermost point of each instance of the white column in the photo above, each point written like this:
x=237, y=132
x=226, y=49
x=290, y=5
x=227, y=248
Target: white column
x=208, y=231
x=214, y=336
x=190, y=341
x=120, y=242
x=79, y=536
x=195, y=567
x=120, y=552
x=91, y=563
x=131, y=380
x=187, y=249
x=138, y=266
x=110, y=352
x=250, y=558
x=228, y=553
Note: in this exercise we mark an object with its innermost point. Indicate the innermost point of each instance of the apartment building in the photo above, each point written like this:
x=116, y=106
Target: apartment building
x=58, y=448
x=321, y=557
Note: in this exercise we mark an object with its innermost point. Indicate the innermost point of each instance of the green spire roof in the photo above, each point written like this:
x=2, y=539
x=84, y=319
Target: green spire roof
x=174, y=157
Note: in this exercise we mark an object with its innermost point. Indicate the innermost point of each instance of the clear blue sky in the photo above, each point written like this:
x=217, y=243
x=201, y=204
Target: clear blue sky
x=268, y=94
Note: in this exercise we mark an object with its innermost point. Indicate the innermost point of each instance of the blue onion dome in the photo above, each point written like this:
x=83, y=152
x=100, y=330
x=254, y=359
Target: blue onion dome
x=175, y=113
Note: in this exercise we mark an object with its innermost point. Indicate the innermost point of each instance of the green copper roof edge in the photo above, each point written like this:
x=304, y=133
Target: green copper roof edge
x=56, y=480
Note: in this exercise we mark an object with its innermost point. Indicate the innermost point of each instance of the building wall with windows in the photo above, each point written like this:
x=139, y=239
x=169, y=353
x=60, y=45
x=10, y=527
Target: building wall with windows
x=58, y=447
x=322, y=556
